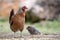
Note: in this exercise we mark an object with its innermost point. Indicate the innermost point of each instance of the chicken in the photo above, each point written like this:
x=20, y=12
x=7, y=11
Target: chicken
x=17, y=20
x=33, y=31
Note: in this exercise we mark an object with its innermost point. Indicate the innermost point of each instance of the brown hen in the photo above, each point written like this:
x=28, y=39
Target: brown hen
x=17, y=20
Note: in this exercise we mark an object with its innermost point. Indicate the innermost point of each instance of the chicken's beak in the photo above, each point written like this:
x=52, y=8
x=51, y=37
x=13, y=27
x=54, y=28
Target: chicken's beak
x=26, y=8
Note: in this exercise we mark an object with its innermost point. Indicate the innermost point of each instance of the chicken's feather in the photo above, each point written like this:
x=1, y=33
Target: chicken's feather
x=11, y=14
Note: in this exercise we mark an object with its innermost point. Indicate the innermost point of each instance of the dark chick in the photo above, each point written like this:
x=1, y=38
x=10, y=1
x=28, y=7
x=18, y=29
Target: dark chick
x=33, y=31
x=17, y=21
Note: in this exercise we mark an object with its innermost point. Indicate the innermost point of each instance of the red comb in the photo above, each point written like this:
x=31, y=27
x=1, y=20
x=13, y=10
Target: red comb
x=24, y=7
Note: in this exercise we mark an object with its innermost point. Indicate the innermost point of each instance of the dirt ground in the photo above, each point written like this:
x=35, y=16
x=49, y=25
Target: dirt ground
x=31, y=37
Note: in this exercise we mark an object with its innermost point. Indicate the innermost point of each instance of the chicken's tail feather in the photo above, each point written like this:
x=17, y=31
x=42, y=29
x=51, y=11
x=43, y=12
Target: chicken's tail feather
x=11, y=14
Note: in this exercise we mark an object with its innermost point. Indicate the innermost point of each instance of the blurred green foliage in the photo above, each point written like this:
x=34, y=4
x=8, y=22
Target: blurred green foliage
x=50, y=27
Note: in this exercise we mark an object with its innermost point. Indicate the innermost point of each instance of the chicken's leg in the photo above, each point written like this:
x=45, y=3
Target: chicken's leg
x=15, y=35
x=21, y=35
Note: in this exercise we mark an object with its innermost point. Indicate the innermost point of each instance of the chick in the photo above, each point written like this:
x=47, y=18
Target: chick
x=33, y=31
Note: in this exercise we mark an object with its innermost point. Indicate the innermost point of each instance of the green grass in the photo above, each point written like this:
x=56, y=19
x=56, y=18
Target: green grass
x=4, y=27
x=50, y=27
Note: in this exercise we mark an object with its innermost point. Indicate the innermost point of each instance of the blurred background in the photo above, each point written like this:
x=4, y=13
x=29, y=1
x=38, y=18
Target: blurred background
x=41, y=14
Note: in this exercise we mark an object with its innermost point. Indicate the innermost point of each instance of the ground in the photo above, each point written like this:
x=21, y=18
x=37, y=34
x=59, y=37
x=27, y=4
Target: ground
x=52, y=28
